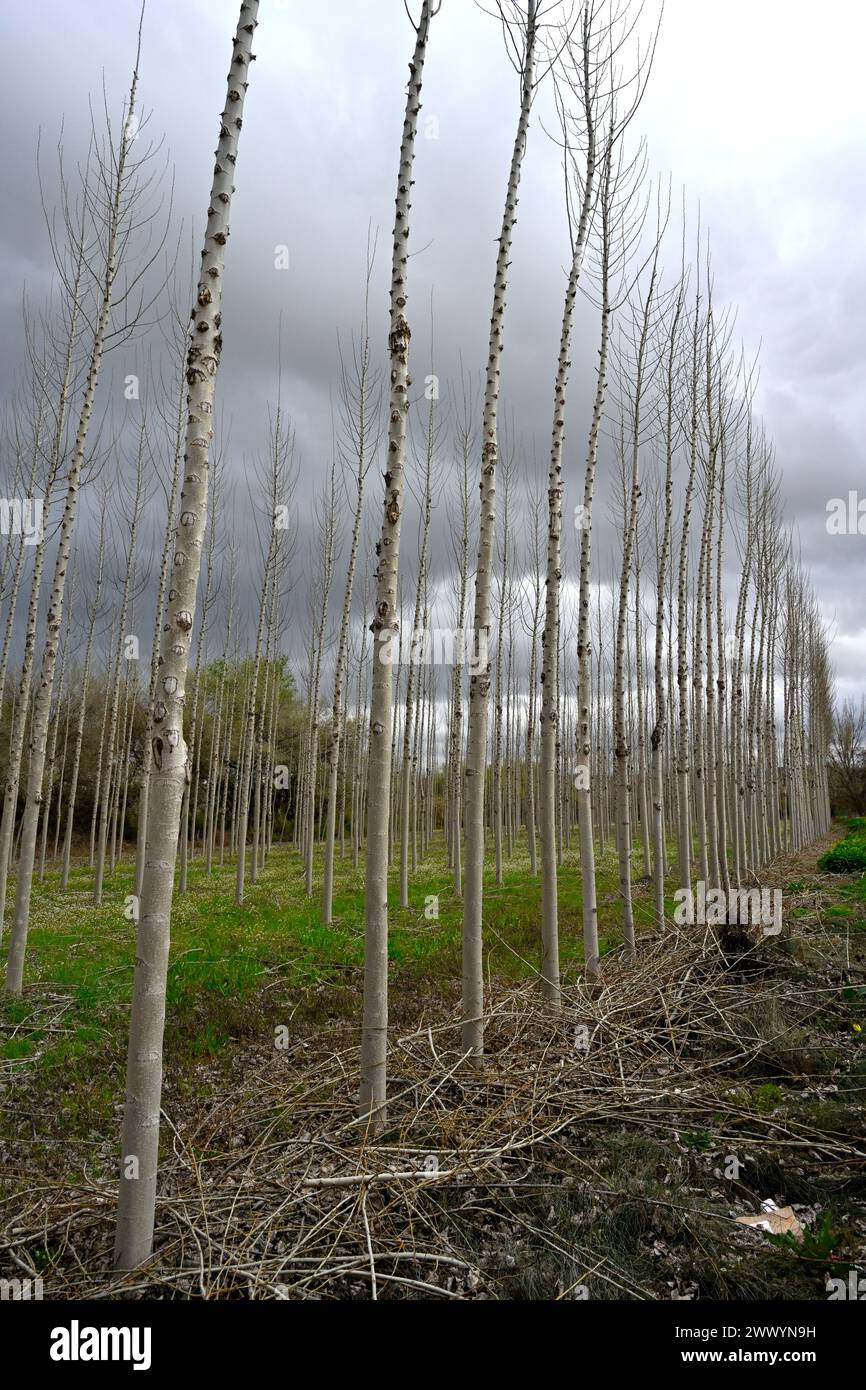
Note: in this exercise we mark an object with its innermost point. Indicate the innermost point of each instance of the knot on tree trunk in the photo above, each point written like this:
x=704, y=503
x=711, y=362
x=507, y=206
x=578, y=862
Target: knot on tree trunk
x=398, y=338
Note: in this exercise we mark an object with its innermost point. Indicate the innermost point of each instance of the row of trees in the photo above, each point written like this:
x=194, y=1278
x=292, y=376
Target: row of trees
x=670, y=697
x=99, y=724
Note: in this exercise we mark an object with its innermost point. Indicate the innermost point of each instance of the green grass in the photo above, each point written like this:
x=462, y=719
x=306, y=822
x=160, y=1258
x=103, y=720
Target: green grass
x=237, y=972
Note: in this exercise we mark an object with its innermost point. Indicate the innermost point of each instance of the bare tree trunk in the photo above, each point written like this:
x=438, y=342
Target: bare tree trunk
x=497, y=712
x=684, y=835
x=356, y=407
x=622, y=748
x=102, y=844
x=415, y=654
x=52, y=752
x=328, y=524
x=643, y=813
x=550, y=635
x=479, y=683
x=374, y=1035
x=140, y=1142
x=658, y=730
x=194, y=742
x=82, y=709
x=532, y=697
x=465, y=438
x=278, y=450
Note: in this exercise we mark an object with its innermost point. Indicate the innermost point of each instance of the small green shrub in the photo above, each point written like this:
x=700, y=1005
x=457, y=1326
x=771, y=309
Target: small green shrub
x=765, y=1098
x=698, y=1139
x=816, y=1246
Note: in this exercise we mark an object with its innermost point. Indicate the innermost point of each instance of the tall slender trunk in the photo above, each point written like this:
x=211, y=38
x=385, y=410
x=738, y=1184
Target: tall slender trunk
x=102, y=843
x=374, y=1034
x=55, y=723
x=622, y=741
x=358, y=432
x=140, y=1141
x=82, y=709
x=479, y=683
x=497, y=712
x=661, y=709
x=550, y=635
x=328, y=540
x=416, y=651
x=277, y=455
x=465, y=438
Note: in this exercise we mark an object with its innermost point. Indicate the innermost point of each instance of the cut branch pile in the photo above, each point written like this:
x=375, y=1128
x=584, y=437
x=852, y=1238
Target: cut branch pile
x=270, y=1189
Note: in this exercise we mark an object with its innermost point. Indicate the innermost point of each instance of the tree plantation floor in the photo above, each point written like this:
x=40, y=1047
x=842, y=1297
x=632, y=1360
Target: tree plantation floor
x=602, y=1153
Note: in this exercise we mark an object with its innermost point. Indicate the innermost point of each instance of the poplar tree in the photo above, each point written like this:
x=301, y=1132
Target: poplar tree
x=168, y=751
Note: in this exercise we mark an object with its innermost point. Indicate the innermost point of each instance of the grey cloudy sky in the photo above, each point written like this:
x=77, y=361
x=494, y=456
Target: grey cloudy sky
x=758, y=108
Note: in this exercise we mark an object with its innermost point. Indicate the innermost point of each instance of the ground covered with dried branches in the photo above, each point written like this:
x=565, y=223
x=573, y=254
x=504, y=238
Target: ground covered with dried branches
x=606, y=1153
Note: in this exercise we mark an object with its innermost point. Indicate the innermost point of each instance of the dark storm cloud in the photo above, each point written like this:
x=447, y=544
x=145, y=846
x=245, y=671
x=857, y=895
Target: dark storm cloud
x=778, y=190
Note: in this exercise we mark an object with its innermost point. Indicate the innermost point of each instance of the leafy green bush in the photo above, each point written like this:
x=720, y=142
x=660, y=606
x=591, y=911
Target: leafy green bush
x=848, y=857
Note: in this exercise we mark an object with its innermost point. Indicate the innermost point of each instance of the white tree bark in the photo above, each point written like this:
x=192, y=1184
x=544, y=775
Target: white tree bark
x=374, y=1034
x=504, y=603
x=356, y=406
x=415, y=653
x=684, y=833
x=140, y=1141
x=327, y=544
x=144, y=790
x=584, y=736
x=622, y=741
x=102, y=843
x=550, y=635
x=277, y=459
x=82, y=709
x=461, y=555
x=479, y=683
x=661, y=697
